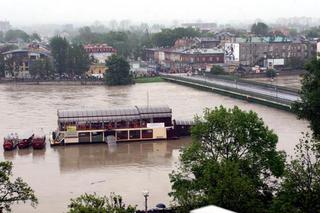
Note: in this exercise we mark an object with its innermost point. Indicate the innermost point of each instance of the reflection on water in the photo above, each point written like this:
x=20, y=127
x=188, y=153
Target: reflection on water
x=91, y=156
x=60, y=173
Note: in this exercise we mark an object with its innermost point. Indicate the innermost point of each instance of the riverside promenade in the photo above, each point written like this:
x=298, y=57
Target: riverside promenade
x=270, y=95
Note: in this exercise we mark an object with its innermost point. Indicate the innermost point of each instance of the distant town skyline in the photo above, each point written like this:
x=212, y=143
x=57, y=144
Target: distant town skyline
x=20, y=12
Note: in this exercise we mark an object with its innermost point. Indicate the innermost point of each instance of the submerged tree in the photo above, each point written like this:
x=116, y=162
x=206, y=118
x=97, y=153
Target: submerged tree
x=232, y=162
x=300, y=186
x=13, y=192
x=99, y=204
x=118, y=71
x=309, y=106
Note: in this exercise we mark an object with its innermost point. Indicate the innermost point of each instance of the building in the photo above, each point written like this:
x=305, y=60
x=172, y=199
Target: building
x=97, y=70
x=17, y=62
x=100, y=52
x=4, y=26
x=259, y=50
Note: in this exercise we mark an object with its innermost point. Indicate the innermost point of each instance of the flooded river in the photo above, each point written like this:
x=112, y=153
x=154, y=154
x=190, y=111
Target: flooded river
x=60, y=173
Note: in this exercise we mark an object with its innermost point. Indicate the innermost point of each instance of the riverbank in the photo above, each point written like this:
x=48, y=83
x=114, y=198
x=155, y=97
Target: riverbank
x=149, y=79
x=74, y=82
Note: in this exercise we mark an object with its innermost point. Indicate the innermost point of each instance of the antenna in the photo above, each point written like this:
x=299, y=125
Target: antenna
x=148, y=98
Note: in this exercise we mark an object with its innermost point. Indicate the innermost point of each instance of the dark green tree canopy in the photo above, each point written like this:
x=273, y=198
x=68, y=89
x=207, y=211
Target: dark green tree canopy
x=41, y=69
x=59, y=49
x=300, y=186
x=13, y=191
x=260, y=29
x=69, y=59
x=118, y=71
x=16, y=34
x=217, y=70
x=232, y=162
x=167, y=37
x=309, y=106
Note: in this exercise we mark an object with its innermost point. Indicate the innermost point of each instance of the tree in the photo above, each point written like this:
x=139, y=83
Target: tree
x=16, y=34
x=300, y=186
x=35, y=37
x=2, y=66
x=118, y=71
x=217, y=70
x=59, y=49
x=309, y=106
x=167, y=37
x=232, y=162
x=78, y=60
x=41, y=68
x=271, y=73
x=13, y=192
x=95, y=204
x=260, y=29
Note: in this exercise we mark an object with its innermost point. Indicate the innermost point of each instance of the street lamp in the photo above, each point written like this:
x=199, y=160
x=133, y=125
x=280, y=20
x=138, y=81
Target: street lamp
x=146, y=195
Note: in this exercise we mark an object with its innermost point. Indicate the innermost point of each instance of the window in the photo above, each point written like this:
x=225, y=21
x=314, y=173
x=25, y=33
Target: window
x=135, y=134
x=84, y=137
x=122, y=135
x=147, y=133
x=97, y=136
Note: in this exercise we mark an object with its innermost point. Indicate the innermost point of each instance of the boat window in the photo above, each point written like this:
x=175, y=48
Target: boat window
x=97, y=136
x=122, y=135
x=147, y=133
x=84, y=137
x=107, y=133
x=135, y=134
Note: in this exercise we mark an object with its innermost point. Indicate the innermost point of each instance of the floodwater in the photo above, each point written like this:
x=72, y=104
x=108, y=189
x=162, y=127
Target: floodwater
x=60, y=173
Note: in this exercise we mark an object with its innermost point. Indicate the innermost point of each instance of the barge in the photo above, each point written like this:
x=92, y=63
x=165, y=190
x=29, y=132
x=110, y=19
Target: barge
x=137, y=123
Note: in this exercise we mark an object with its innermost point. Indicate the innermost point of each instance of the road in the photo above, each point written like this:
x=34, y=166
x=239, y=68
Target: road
x=271, y=91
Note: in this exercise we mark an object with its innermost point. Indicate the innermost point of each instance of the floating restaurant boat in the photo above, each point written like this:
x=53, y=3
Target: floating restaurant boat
x=25, y=141
x=10, y=142
x=126, y=124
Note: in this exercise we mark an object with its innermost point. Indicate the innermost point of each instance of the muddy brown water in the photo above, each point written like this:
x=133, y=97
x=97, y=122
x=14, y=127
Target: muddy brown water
x=60, y=173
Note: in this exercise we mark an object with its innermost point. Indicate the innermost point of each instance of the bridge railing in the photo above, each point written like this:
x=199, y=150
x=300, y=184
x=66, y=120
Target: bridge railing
x=228, y=89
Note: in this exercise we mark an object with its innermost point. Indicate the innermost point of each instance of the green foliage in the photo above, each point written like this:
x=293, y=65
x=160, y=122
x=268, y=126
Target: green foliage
x=16, y=34
x=35, y=37
x=148, y=79
x=2, y=66
x=13, y=192
x=260, y=29
x=232, y=162
x=271, y=73
x=59, y=50
x=300, y=186
x=313, y=32
x=127, y=43
x=92, y=203
x=41, y=68
x=118, y=71
x=217, y=70
x=295, y=63
x=167, y=37
x=78, y=60
x=308, y=107
x=1, y=36
x=69, y=59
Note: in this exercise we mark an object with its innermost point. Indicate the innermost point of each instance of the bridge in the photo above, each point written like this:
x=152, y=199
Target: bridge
x=270, y=95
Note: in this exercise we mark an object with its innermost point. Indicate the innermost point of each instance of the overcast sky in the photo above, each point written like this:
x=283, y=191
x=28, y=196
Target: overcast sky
x=87, y=11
